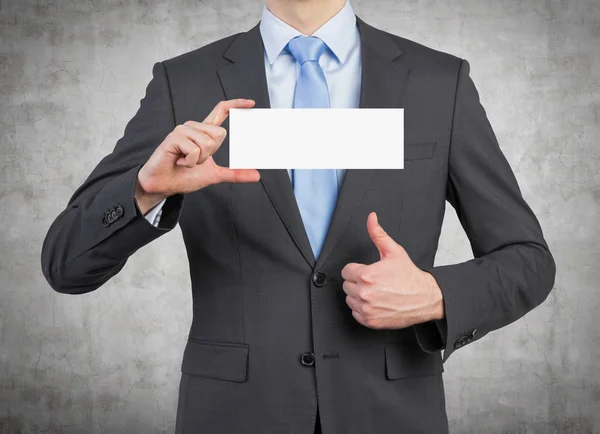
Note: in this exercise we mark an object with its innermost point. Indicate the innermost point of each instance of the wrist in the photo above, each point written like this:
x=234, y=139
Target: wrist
x=144, y=199
x=436, y=297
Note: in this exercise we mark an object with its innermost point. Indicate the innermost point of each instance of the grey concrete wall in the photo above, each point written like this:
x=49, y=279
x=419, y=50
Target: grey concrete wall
x=72, y=73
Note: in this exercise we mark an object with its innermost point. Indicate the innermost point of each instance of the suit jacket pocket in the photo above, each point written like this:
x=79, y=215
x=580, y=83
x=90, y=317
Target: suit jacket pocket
x=407, y=359
x=220, y=360
x=419, y=151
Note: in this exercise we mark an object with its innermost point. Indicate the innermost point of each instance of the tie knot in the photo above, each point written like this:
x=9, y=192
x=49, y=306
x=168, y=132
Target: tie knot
x=306, y=48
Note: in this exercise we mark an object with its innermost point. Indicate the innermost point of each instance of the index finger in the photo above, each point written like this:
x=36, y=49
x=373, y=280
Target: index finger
x=351, y=271
x=221, y=110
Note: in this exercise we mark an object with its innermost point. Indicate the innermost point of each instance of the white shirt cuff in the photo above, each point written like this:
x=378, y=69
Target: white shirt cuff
x=155, y=213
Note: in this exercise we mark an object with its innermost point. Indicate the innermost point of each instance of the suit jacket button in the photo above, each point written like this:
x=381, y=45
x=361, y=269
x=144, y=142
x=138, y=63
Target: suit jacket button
x=114, y=215
x=119, y=210
x=319, y=279
x=307, y=359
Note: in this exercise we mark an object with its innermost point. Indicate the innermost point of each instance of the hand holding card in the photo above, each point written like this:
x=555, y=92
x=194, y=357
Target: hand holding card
x=183, y=162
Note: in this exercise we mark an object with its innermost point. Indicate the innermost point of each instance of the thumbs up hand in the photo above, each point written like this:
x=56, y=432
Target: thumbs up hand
x=392, y=293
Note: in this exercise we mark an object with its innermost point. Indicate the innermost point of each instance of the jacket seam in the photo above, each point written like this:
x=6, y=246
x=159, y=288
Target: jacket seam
x=460, y=66
x=169, y=91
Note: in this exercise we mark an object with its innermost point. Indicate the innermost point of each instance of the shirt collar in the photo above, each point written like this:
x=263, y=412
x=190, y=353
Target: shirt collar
x=338, y=33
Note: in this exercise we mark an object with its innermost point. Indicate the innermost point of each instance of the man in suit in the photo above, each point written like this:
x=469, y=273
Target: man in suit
x=317, y=307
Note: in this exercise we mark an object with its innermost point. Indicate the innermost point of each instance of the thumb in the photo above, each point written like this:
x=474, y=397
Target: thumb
x=225, y=174
x=384, y=243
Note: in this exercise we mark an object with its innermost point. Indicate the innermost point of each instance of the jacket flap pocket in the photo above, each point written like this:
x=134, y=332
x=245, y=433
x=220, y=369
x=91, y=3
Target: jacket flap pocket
x=418, y=151
x=407, y=359
x=220, y=360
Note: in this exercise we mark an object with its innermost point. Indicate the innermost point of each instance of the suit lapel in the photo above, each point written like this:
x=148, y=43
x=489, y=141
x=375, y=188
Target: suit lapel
x=245, y=78
x=382, y=85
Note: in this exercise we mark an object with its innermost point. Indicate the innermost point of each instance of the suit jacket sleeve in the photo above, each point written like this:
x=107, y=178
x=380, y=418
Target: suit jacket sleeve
x=512, y=270
x=102, y=225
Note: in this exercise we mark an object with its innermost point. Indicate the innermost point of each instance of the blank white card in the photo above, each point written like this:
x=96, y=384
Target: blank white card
x=316, y=138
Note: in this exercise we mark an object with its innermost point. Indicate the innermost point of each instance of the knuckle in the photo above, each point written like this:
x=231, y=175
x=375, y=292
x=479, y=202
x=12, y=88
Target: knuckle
x=180, y=130
x=366, y=295
x=367, y=310
x=174, y=137
x=365, y=276
x=372, y=323
x=367, y=320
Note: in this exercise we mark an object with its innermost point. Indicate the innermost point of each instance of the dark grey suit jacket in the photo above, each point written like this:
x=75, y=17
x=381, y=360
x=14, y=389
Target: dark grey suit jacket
x=261, y=299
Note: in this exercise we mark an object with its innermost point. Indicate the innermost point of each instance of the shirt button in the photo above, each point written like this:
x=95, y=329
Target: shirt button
x=307, y=359
x=319, y=279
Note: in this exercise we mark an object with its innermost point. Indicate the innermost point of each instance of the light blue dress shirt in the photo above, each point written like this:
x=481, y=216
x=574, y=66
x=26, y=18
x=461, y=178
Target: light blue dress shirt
x=341, y=64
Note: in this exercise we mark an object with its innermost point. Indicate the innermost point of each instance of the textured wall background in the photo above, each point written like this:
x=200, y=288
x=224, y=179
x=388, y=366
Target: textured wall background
x=72, y=73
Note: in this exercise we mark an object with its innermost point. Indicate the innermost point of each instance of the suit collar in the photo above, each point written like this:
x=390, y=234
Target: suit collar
x=246, y=44
x=378, y=40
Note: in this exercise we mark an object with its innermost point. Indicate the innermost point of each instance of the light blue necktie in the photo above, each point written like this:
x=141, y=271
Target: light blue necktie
x=316, y=190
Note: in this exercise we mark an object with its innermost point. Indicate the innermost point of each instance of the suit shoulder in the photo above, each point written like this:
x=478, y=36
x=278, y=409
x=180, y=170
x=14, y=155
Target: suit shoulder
x=420, y=55
x=208, y=54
